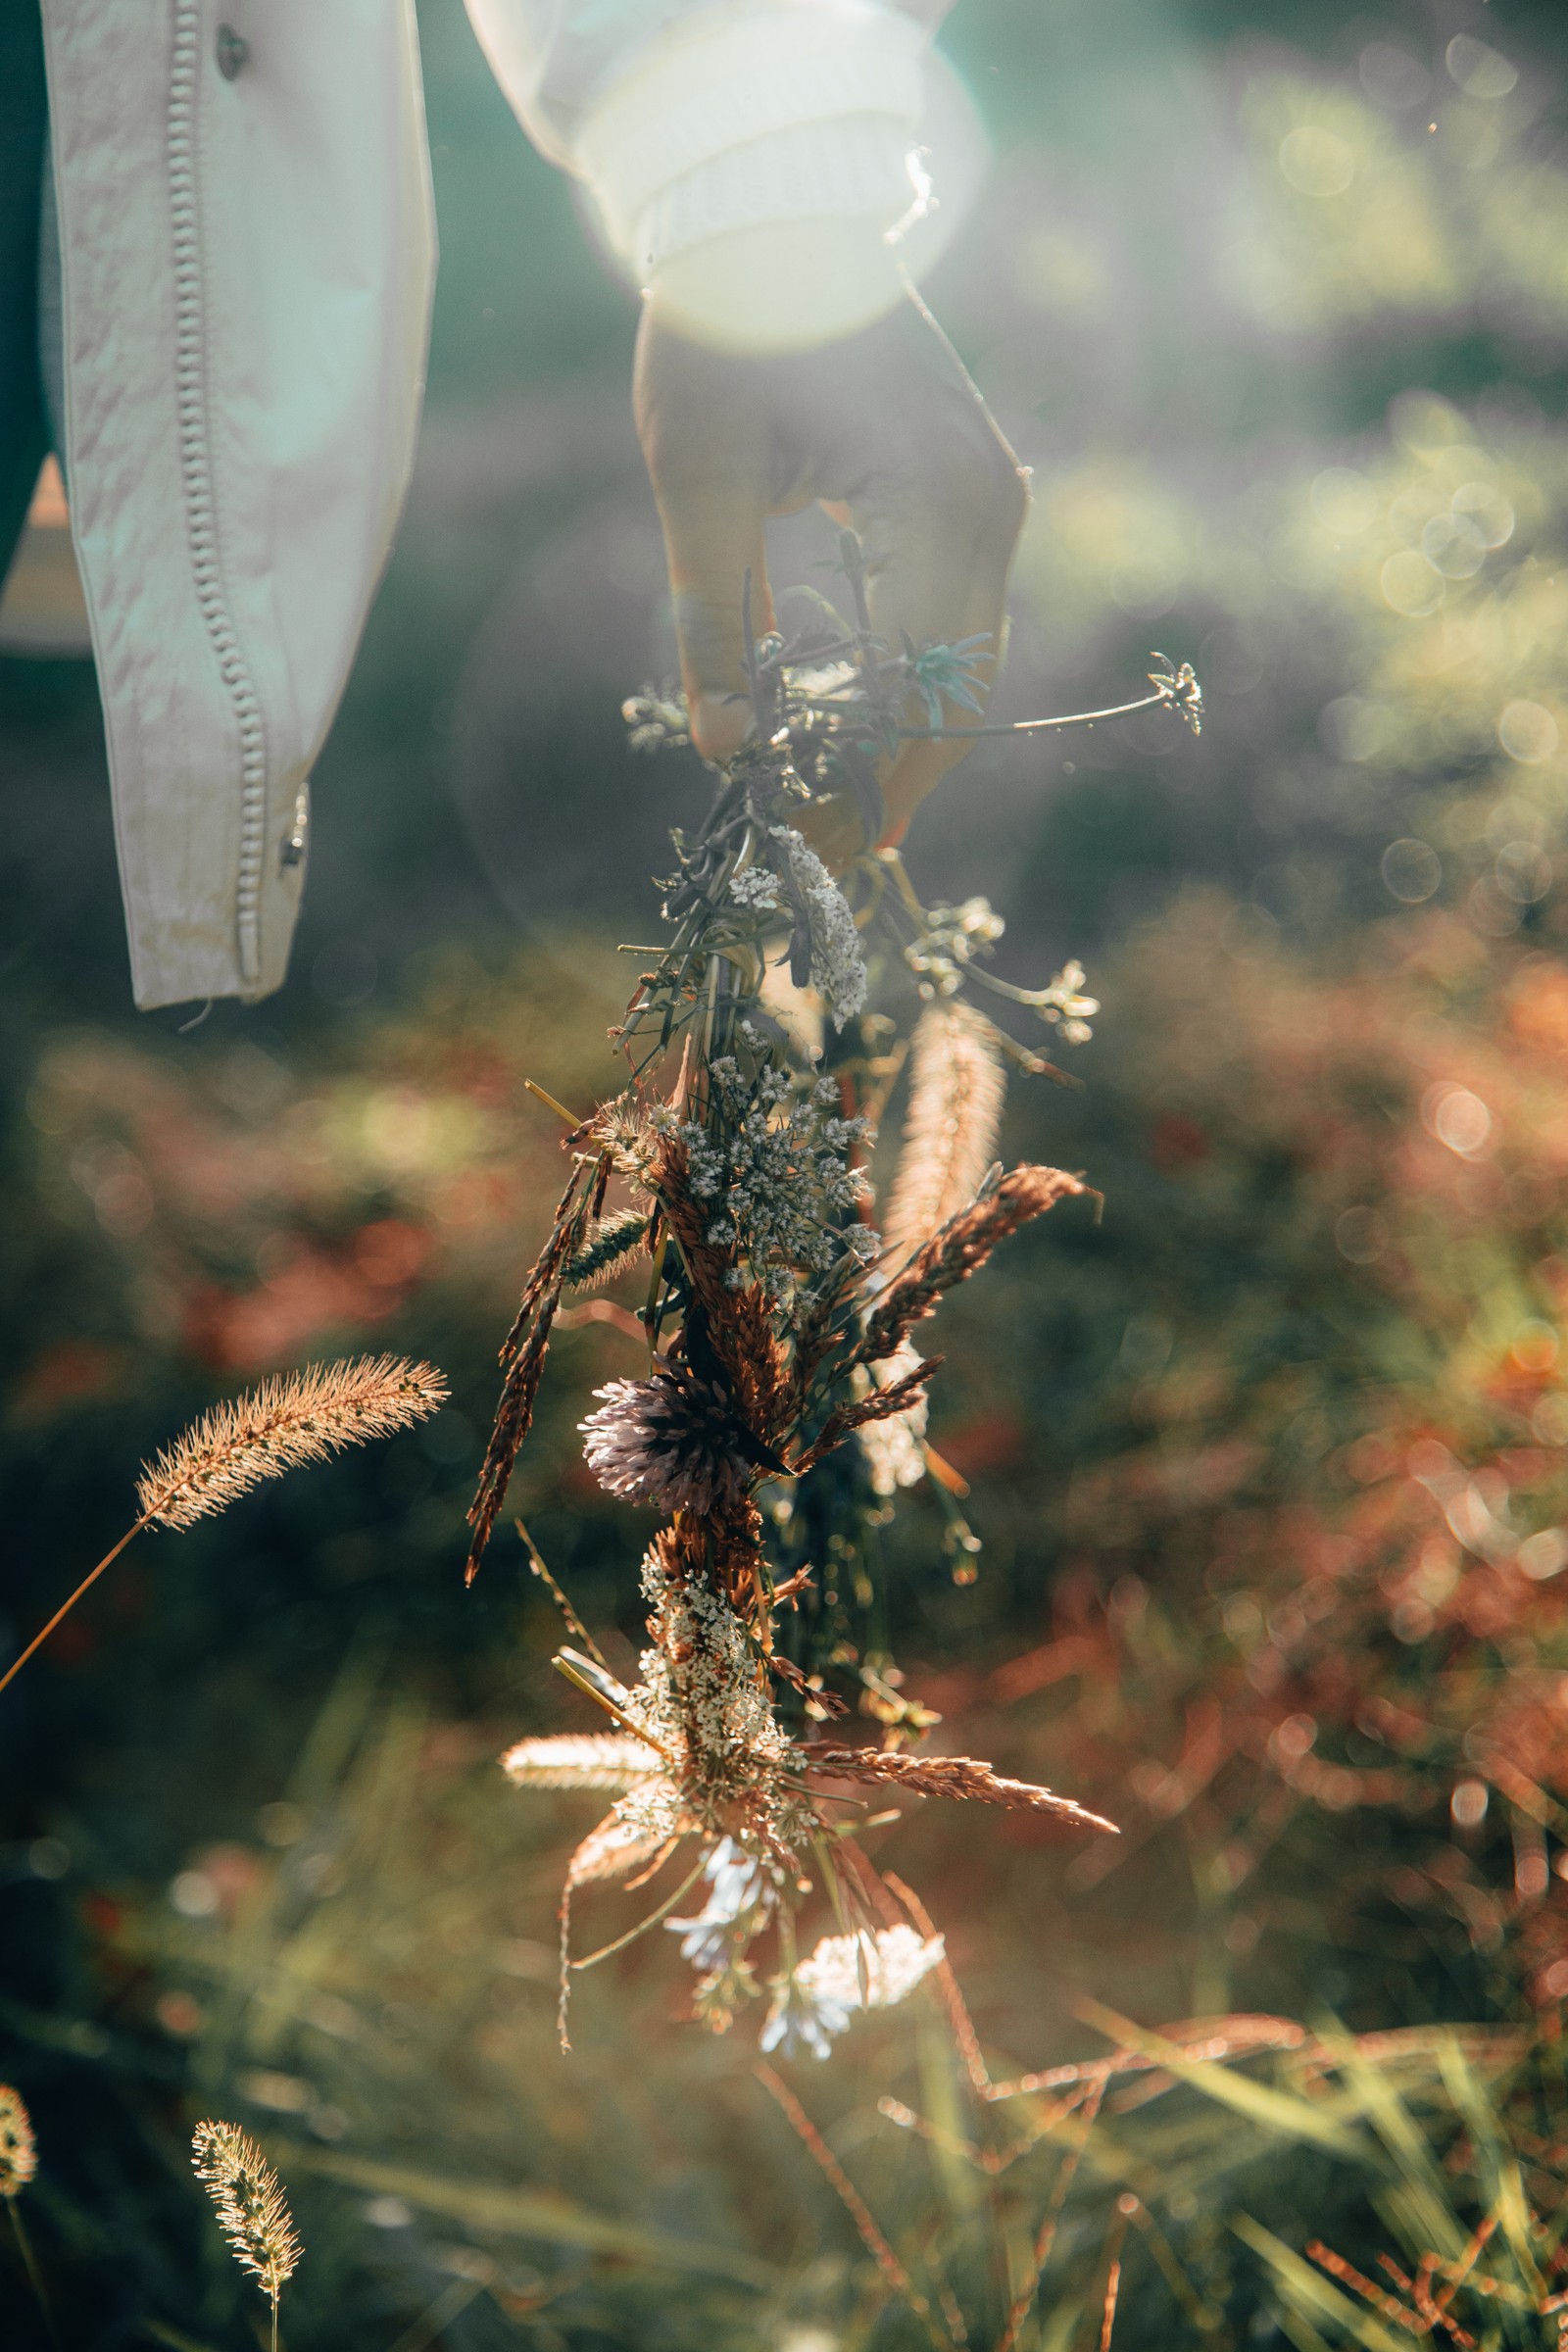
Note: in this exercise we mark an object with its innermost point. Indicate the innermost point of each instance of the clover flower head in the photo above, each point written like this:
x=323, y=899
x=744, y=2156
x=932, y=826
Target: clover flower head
x=669, y=1440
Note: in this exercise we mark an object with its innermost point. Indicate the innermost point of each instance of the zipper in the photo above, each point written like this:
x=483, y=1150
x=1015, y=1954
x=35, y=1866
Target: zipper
x=196, y=478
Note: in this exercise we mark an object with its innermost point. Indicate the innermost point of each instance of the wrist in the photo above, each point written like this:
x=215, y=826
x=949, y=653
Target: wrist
x=778, y=285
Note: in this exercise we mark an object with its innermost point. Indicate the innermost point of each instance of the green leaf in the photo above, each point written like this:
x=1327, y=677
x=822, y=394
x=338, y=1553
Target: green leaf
x=529, y=2213
x=1309, y=2291
x=1283, y=2112
x=1426, y=2197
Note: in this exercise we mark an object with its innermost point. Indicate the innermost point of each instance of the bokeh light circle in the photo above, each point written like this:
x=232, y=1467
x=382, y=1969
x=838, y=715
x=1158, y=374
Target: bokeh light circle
x=1412, y=870
x=1412, y=584
x=1316, y=161
x=1527, y=732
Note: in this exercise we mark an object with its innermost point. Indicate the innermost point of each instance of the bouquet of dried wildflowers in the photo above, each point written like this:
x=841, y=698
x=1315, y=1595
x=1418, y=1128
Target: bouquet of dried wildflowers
x=783, y=1403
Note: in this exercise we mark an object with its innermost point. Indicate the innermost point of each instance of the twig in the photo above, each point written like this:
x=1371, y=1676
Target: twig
x=871, y=2237
x=1023, y=2303
x=963, y=2033
x=573, y=1621
x=643, y=1924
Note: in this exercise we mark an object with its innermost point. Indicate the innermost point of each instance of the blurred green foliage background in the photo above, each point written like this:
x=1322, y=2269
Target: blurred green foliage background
x=1267, y=1464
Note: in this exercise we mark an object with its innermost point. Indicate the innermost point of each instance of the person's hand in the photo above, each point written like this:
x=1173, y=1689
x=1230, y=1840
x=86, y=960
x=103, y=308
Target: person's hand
x=884, y=429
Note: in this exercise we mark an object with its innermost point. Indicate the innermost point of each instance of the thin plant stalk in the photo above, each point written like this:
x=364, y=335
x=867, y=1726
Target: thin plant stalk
x=65, y=1607
x=871, y=2237
x=1037, y=726
x=35, y=2275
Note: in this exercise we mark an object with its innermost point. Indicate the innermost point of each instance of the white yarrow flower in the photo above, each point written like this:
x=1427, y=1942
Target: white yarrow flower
x=894, y=1961
x=816, y=2004
x=757, y=888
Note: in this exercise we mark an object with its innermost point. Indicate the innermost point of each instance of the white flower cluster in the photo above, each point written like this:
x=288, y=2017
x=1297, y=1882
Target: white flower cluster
x=954, y=936
x=893, y=1447
x=656, y=718
x=738, y=1891
x=838, y=966
x=814, y=2005
x=777, y=1173
x=756, y=887
x=1064, y=1002
x=703, y=1701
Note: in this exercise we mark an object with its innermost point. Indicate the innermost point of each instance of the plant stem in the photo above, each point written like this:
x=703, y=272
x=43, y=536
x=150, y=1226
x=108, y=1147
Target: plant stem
x=652, y=1921
x=25, y=2244
x=1035, y=726
x=65, y=1607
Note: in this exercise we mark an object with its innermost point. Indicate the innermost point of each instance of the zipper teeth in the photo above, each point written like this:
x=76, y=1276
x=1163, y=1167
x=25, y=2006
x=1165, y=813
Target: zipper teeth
x=195, y=466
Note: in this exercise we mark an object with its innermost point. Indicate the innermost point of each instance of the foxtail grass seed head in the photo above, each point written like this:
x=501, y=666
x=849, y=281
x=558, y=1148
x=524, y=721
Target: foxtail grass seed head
x=251, y=2208
x=19, y=2153
x=957, y=1082
x=299, y=1417
x=581, y=1760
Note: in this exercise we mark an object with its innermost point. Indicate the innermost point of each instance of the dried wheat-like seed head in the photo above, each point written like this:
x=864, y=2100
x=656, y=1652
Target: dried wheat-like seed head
x=252, y=2209
x=299, y=1417
x=965, y=1778
x=581, y=1760
x=958, y=1084
x=610, y=1245
x=18, y=2155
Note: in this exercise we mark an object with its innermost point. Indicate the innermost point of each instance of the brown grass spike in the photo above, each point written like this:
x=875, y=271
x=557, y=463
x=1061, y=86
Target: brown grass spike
x=964, y=1778
x=960, y=1248
x=525, y=1347
x=19, y=2153
x=299, y=1417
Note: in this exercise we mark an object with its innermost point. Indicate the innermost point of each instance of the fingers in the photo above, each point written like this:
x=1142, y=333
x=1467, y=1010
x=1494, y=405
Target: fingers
x=883, y=426
x=890, y=433
x=941, y=507
x=706, y=441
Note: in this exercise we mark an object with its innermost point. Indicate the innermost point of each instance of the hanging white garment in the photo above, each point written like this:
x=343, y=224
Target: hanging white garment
x=247, y=259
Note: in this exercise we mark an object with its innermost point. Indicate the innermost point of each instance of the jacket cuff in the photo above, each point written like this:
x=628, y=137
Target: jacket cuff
x=744, y=120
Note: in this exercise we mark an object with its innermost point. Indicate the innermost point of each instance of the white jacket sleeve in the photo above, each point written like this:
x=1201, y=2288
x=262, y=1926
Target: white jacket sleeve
x=692, y=121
